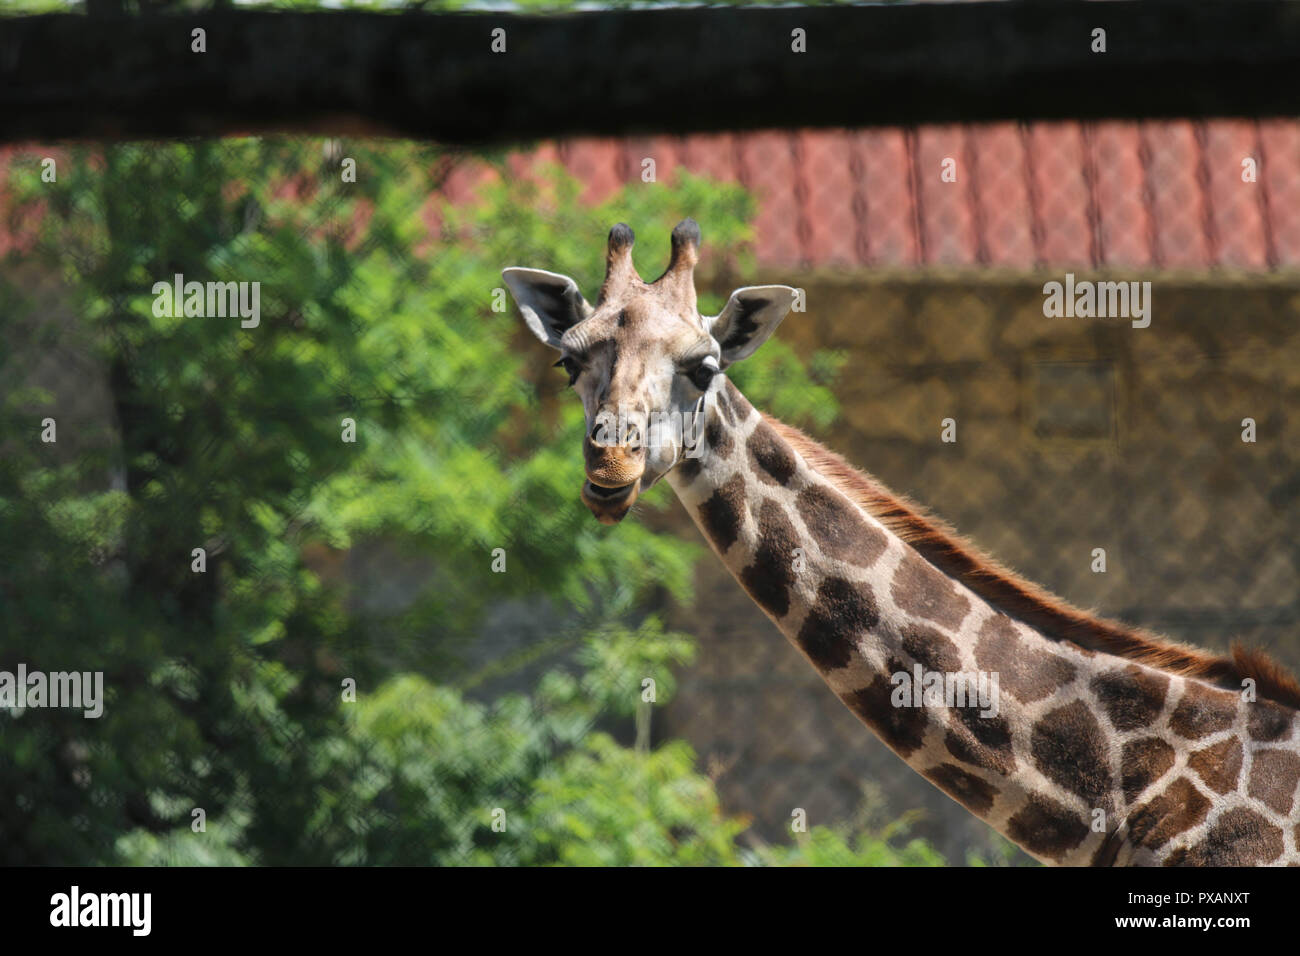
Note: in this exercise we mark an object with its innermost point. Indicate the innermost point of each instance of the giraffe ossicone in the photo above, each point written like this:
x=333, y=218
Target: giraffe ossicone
x=1105, y=745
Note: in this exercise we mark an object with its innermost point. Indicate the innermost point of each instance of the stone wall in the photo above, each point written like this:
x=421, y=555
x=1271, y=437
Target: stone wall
x=1072, y=434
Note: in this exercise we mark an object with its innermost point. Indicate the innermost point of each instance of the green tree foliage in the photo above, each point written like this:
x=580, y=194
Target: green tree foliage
x=225, y=686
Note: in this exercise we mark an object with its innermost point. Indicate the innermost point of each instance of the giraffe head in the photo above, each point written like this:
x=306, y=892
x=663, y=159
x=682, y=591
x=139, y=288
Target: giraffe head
x=643, y=360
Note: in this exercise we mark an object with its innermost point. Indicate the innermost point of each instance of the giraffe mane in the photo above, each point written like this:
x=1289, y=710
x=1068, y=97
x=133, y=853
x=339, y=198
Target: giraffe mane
x=940, y=544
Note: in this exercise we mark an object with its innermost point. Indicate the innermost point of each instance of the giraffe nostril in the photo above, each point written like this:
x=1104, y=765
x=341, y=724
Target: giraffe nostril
x=604, y=431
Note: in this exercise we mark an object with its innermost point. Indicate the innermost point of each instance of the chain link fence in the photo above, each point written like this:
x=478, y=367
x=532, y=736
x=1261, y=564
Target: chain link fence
x=924, y=253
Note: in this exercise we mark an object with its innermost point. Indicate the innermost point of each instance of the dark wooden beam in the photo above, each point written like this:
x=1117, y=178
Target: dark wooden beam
x=434, y=76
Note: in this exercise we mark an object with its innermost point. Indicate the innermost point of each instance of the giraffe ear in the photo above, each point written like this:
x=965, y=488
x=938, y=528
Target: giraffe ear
x=748, y=318
x=550, y=303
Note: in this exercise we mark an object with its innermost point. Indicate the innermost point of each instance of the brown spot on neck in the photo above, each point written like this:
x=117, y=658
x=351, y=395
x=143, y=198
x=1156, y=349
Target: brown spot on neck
x=1047, y=828
x=901, y=728
x=721, y=513
x=839, y=528
x=1273, y=778
x=717, y=439
x=1203, y=711
x=1131, y=697
x=1143, y=762
x=769, y=457
x=1240, y=837
x=970, y=791
x=980, y=741
x=1026, y=676
x=923, y=592
x=769, y=577
x=1219, y=765
x=844, y=611
x=1177, y=809
x=1070, y=749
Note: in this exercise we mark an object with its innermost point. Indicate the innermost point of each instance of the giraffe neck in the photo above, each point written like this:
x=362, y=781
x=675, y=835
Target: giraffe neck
x=1074, y=755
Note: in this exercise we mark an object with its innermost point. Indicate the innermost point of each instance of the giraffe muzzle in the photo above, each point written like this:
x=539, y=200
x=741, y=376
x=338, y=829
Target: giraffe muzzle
x=610, y=505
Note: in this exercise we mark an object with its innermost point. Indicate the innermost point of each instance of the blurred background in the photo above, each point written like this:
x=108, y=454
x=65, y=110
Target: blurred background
x=498, y=714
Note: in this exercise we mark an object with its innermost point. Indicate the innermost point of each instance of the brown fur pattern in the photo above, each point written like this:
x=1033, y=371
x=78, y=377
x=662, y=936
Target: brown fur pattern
x=1032, y=604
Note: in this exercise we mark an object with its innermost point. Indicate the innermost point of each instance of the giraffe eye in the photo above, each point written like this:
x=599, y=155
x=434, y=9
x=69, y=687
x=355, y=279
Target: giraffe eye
x=702, y=374
x=571, y=366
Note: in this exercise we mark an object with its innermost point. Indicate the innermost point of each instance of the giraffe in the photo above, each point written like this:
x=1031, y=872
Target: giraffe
x=1082, y=740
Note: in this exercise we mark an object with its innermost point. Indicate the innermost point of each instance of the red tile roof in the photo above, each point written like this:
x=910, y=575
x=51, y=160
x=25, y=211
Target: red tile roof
x=1122, y=194
x=1165, y=194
